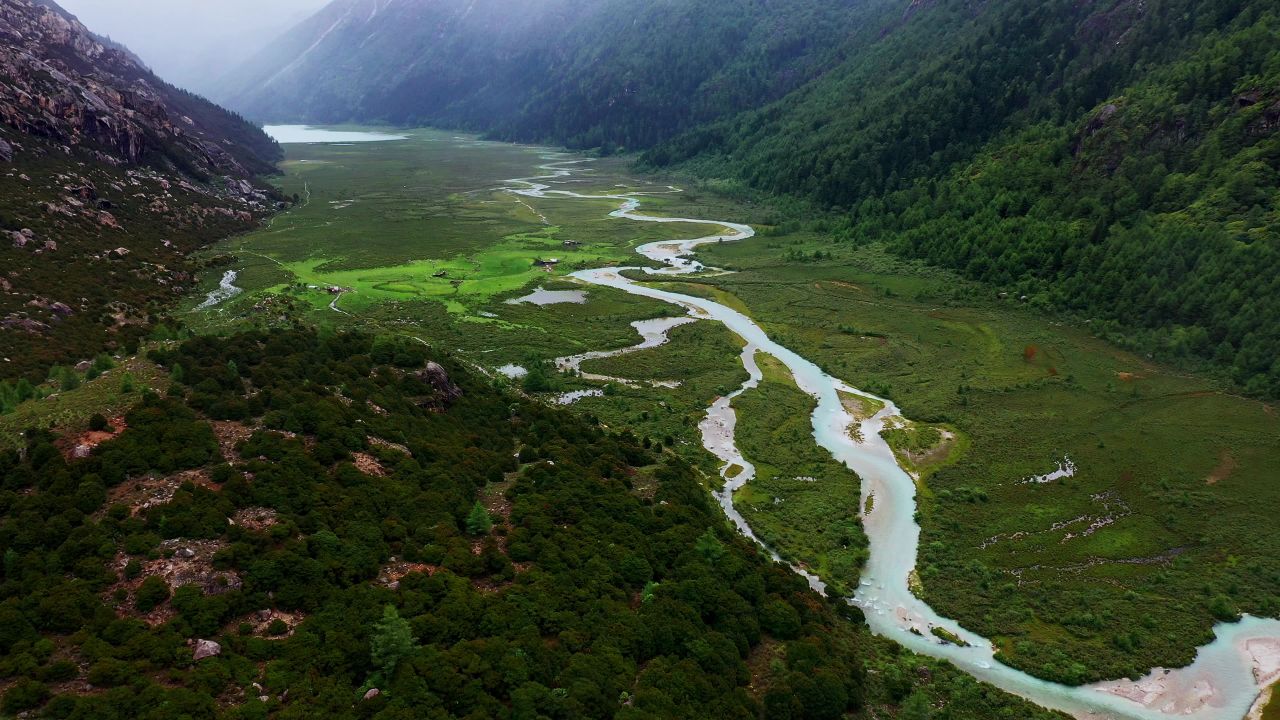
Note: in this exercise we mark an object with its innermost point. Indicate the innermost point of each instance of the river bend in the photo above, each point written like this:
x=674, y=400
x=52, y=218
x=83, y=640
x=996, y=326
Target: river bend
x=1221, y=684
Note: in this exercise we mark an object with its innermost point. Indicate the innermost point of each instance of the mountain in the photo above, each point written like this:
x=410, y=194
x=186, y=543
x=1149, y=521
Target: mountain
x=108, y=177
x=200, y=40
x=582, y=72
x=1111, y=160
x=1117, y=161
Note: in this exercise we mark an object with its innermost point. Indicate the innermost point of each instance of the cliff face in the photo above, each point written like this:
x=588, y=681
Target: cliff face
x=109, y=178
x=61, y=83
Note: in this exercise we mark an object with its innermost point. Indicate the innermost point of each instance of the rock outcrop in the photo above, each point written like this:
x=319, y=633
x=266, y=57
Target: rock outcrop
x=446, y=391
x=206, y=649
x=102, y=162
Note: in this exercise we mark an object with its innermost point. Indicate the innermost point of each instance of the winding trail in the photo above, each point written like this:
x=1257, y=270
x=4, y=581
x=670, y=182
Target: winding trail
x=1222, y=683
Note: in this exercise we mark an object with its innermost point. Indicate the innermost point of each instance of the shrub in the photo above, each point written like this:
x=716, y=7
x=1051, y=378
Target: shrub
x=151, y=593
x=25, y=695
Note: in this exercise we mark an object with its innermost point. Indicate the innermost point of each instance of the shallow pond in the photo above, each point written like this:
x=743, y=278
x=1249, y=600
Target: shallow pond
x=542, y=296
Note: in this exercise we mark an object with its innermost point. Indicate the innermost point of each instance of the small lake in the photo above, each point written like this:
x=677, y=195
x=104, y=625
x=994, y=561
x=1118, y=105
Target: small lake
x=306, y=134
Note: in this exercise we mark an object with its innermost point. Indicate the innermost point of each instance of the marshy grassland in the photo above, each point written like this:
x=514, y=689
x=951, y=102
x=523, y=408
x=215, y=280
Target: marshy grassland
x=1164, y=527
x=1158, y=522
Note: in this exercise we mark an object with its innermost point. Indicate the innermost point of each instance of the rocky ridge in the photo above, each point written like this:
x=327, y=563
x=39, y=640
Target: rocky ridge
x=109, y=179
x=61, y=83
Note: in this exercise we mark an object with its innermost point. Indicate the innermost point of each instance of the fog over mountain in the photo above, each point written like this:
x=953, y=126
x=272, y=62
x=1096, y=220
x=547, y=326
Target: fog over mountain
x=192, y=43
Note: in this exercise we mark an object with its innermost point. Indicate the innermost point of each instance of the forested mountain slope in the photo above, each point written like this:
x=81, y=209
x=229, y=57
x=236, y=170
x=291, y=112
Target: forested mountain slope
x=344, y=526
x=108, y=176
x=586, y=73
x=1115, y=159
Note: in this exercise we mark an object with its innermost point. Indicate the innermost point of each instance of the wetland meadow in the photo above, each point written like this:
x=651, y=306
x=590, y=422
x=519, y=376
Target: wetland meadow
x=1160, y=530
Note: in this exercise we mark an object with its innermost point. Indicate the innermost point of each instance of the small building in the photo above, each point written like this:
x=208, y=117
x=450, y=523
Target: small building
x=550, y=262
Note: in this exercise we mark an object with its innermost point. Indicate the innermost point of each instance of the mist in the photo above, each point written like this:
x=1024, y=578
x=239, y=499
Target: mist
x=192, y=43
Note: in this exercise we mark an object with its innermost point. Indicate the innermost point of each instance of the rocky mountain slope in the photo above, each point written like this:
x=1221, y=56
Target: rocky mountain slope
x=108, y=177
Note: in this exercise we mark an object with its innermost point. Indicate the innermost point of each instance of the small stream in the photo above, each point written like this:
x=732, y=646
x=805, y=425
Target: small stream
x=225, y=291
x=653, y=334
x=1221, y=684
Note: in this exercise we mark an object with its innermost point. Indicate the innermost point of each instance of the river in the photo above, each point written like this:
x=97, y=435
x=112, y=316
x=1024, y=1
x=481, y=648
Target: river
x=1221, y=684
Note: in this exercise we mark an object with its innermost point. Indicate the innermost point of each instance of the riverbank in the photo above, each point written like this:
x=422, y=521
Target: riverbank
x=1027, y=393
x=884, y=591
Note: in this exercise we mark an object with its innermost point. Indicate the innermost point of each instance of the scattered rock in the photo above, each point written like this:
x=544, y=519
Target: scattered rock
x=197, y=570
x=255, y=518
x=390, y=575
x=206, y=649
x=368, y=464
x=185, y=553
x=13, y=322
x=379, y=442
x=119, y=253
x=149, y=491
x=6, y=151
x=373, y=693
x=229, y=435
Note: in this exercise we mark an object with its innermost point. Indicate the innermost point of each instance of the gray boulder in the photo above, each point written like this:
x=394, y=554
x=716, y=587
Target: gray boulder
x=206, y=649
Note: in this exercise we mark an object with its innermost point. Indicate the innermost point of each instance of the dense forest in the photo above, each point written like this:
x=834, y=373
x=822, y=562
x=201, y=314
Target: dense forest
x=345, y=526
x=1117, y=162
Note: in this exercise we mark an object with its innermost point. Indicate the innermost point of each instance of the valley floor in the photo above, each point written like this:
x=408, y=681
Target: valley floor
x=1090, y=511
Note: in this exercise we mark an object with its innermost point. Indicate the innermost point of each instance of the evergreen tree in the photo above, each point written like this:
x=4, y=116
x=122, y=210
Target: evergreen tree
x=478, y=520
x=391, y=642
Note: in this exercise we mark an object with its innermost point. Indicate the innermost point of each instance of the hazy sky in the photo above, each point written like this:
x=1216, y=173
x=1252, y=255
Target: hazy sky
x=192, y=42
